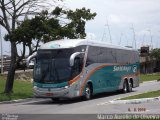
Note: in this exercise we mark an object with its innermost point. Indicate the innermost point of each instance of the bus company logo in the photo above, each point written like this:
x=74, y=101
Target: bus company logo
x=134, y=68
x=121, y=68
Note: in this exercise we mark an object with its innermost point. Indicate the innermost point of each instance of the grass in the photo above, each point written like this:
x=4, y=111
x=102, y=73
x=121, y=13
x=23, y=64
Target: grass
x=21, y=90
x=144, y=95
x=144, y=78
x=149, y=77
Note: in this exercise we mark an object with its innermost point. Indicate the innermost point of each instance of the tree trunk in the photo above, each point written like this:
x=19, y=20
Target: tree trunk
x=11, y=72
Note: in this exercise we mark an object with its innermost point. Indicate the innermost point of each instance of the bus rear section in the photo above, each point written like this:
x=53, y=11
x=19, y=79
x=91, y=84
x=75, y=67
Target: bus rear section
x=111, y=68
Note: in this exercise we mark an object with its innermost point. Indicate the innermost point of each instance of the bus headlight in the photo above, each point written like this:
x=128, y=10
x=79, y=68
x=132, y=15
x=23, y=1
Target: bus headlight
x=66, y=87
x=35, y=87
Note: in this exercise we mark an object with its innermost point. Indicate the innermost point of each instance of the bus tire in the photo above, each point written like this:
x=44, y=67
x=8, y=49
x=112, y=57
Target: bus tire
x=88, y=92
x=129, y=86
x=55, y=99
x=125, y=86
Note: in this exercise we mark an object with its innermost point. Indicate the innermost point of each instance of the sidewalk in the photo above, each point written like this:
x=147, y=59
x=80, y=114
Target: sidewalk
x=18, y=71
x=135, y=101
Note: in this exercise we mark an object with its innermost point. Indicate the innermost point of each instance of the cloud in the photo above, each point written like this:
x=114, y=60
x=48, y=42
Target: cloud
x=121, y=14
x=145, y=32
x=91, y=36
x=114, y=19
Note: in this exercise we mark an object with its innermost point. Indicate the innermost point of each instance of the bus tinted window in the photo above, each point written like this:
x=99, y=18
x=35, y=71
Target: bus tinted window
x=92, y=55
x=123, y=56
x=44, y=54
x=101, y=55
x=107, y=55
x=110, y=55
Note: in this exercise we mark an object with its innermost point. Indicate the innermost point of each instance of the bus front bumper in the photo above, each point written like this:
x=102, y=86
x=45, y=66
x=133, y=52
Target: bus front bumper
x=53, y=92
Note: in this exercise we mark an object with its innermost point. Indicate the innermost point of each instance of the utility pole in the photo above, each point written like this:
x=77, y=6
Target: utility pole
x=104, y=33
x=109, y=32
x=1, y=51
x=151, y=38
x=151, y=44
x=134, y=37
x=143, y=40
x=120, y=39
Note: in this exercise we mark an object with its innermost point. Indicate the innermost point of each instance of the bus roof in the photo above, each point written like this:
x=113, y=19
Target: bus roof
x=70, y=43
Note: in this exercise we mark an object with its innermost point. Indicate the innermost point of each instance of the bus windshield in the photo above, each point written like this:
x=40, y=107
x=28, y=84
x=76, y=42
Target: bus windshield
x=52, y=66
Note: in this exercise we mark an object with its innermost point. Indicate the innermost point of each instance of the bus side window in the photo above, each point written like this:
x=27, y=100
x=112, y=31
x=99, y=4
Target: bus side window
x=92, y=55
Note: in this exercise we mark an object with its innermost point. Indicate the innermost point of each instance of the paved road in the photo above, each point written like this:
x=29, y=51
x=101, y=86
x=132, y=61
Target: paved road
x=97, y=105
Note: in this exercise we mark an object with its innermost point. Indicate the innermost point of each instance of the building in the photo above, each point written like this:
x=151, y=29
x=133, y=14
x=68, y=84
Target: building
x=147, y=63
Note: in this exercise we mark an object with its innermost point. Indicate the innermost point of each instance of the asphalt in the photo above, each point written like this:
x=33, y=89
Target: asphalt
x=115, y=101
x=105, y=103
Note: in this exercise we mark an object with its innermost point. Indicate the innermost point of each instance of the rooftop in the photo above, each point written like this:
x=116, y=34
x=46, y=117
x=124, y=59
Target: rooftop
x=69, y=43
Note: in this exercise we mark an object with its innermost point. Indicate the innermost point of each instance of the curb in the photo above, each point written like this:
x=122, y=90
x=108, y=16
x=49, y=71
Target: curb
x=150, y=81
x=16, y=101
x=135, y=101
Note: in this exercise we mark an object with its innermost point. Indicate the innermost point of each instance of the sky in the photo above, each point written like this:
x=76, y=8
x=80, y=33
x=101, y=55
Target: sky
x=123, y=16
x=126, y=20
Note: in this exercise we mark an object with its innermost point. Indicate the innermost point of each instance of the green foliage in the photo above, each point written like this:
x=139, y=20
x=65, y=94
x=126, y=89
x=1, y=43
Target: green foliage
x=57, y=11
x=22, y=89
x=149, y=77
x=144, y=95
x=156, y=53
x=51, y=26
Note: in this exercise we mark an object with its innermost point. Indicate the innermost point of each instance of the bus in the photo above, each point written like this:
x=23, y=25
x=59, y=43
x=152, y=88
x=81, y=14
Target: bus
x=80, y=67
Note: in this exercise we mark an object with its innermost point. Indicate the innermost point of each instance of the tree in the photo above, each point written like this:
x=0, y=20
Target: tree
x=11, y=12
x=44, y=27
x=47, y=26
x=155, y=56
x=155, y=53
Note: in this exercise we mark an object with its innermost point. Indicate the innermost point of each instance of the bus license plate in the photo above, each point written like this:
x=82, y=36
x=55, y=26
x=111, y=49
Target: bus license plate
x=49, y=94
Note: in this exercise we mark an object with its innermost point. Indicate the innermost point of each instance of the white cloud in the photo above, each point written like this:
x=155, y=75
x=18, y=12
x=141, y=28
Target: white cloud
x=114, y=19
x=91, y=36
x=143, y=32
x=121, y=14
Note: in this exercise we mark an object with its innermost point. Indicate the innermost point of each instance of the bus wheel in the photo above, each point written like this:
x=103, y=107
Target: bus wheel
x=88, y=92
x=129, y=86
x=125, y=86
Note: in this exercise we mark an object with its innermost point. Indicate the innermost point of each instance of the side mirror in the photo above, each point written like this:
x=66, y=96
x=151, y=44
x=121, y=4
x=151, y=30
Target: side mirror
x=30, y=63
x=73, y=56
